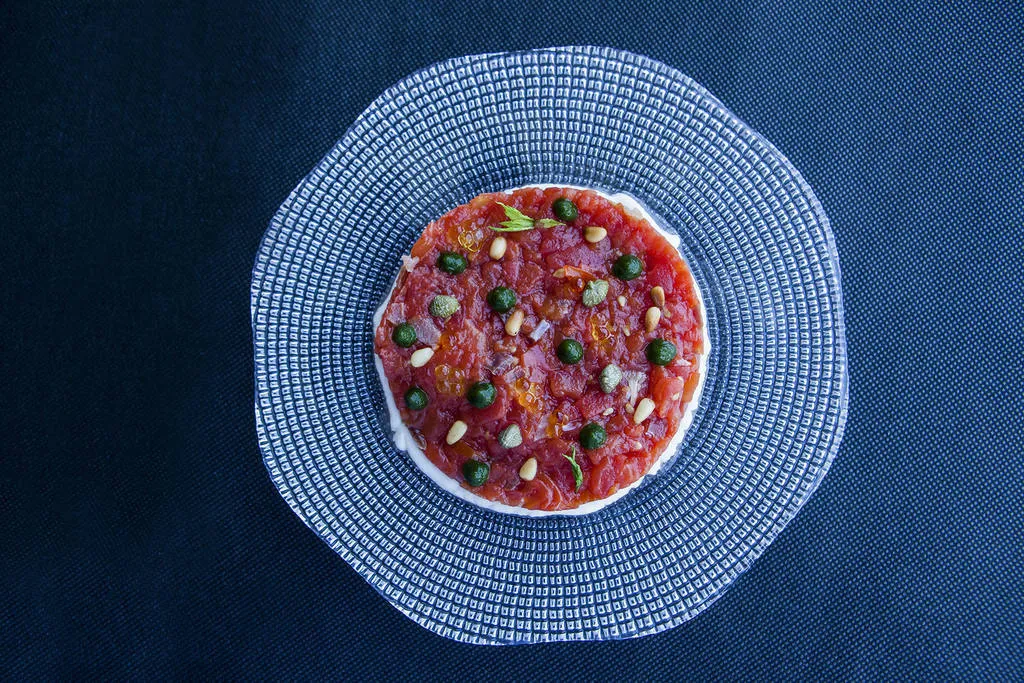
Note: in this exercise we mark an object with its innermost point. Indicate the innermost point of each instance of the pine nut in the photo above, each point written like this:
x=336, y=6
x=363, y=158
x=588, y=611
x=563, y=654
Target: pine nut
x=622, y=300
x=652, y=318
x=608, y=411
x=643, y=410
x=498, y=247
x=594, y=234
x=419, y=358
x=559, y=273
x=529, y=470
x=456, y=432
x=514, y=322
x=658, y=296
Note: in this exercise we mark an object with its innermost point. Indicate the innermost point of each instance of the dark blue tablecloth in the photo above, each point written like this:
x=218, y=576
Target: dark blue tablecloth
x=144, y=150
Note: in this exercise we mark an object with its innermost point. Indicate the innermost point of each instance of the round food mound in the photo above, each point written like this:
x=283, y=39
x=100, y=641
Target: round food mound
x=542, y=346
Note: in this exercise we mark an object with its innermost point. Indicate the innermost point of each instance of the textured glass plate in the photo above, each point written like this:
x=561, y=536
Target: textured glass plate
x=774, y=403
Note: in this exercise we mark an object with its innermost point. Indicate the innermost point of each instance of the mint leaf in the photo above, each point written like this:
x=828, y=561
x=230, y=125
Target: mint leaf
x=517, y=220
x=514, y=214
x=577, y=473
x=518, y=225
x=511, y=226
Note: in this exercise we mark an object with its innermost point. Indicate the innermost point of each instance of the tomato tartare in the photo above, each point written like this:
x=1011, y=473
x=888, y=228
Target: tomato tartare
x=542, y=346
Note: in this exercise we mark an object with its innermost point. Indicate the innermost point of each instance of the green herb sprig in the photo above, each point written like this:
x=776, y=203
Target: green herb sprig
x=577, y=473
x=519, y=221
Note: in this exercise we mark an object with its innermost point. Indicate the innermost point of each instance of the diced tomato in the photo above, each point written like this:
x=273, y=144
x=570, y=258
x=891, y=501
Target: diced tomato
x=631, y=469
x=666, y=391
x=691, y=386
x=603, y=478
x=531, y=277
x=592, y=404
x=567, y=384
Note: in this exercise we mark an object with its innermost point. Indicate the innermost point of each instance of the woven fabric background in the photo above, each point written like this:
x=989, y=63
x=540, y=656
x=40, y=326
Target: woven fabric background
x=143, y=151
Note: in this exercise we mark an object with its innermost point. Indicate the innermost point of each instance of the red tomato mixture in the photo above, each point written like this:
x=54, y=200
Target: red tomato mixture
x=565, y=385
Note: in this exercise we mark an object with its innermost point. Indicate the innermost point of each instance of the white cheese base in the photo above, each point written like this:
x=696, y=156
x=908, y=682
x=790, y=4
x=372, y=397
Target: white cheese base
x=405, y=442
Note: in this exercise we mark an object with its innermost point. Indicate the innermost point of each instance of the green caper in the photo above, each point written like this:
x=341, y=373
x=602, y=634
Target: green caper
x=595, y=292
x=444, y=306
x=476, y=472
x=661, y=352
x=404, y=335
x=564, y=209
x=452, y=263
x=481, y=394
x=592, y=436
x=611, y=377
x=501, y=299
x=510, y=436
x=416, y=399
x=627, y=267
x=570, y=351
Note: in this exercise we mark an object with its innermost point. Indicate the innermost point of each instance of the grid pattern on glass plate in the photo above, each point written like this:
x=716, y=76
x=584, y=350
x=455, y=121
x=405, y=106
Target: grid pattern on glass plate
x=774, y=404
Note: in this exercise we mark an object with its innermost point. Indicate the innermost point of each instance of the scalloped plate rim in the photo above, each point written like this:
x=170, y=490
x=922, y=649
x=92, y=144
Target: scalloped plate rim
x=755, y=552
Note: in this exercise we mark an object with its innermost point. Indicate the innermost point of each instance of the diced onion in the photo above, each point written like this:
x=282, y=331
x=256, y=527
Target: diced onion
x=396, y=313
x=634, y=381
x=537, y=333
x=502, y=363
x=426, y=331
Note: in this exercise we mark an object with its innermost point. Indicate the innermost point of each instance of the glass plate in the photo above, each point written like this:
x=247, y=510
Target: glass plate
x=774, y=404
